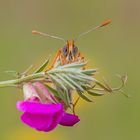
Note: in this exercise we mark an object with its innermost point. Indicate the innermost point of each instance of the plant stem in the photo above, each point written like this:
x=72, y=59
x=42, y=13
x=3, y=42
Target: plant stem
x=20, y=80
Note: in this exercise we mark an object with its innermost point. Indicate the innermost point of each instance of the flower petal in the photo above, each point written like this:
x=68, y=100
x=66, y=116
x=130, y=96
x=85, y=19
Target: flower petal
x=56, y=118
x=42, y=122
x=69, y=119
x=38, y=121
x=29, y=91
x=34, y=99
x=43, y=117
x=43, y=93
x=38, y=108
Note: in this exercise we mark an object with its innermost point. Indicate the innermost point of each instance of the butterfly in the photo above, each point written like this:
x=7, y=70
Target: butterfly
x=70, y=52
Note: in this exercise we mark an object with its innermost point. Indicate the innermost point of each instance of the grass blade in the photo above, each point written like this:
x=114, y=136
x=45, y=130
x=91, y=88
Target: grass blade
x=73, y=82
x=84, y=97
x=95, y=93
x=43, y=66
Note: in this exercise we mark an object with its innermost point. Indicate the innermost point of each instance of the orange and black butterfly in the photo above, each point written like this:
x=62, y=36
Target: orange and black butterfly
x=70, y=52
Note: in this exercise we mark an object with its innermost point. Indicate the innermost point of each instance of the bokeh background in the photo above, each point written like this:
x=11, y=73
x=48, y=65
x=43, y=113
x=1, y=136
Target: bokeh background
x=114, y=49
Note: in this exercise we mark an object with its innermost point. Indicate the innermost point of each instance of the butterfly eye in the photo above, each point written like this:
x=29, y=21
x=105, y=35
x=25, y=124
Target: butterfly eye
x=75, y=50
x=65, y=50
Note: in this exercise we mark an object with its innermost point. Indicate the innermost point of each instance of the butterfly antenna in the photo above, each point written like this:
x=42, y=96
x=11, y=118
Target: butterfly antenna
x=93, y=29
x=47, y=35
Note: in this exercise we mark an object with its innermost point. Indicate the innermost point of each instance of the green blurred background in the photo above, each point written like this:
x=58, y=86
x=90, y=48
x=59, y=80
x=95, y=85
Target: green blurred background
x=114, y=49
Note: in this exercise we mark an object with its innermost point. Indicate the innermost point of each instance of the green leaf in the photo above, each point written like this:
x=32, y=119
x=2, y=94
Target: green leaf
x=85, y=77
x=64, y=70
x=64, y=80
x=78, y=79
x=124, y=79
x=77, y=85
x=107, y=85
x=89, y=72
x=94, y=93
x=103, y=86
x=43, y=66
x=62, y=95
x=66, y=98
x=13, y=73
x=126, y=95
x=75, y=65
x=27, y=70
x=57, y=81
x=84, y=97
x=54, y=91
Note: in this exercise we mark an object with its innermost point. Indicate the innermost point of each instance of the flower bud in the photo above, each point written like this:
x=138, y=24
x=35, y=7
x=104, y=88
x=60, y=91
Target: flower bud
x=37, y=92
x=29, y=91
x=44, y=94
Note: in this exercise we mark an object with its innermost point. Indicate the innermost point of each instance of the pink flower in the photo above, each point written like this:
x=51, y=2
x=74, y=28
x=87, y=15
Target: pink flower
x=41, y=109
